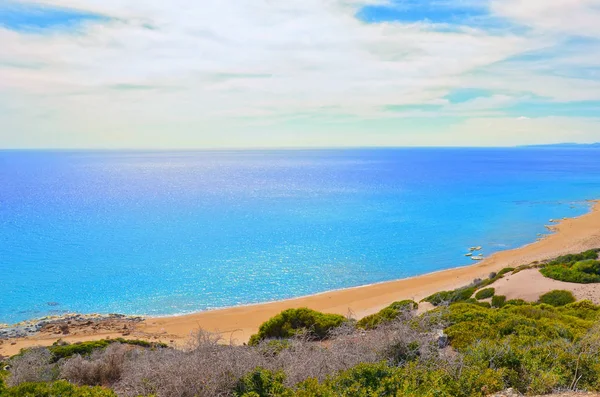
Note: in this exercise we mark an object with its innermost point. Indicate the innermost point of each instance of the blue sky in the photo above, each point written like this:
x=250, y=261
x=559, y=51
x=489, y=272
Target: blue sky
x=254, y=73
x=456, y=13
x=42, y=19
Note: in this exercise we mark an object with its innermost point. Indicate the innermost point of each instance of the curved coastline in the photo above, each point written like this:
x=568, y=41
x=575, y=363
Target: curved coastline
x=239, y=322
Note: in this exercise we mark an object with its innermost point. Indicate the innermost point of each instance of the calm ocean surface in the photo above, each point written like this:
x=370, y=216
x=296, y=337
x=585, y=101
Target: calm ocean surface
x=161, y=233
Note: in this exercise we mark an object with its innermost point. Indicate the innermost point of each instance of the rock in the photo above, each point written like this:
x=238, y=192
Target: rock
x=442, y=339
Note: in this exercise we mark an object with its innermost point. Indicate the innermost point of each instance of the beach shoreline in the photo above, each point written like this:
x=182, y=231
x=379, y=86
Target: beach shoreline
x=237, y=324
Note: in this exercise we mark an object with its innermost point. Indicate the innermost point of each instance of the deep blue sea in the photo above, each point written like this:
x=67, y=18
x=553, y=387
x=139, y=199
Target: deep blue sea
x=159, y=233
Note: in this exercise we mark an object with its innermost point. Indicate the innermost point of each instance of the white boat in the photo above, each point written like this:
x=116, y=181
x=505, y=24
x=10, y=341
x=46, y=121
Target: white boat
x=477, y=258
x=469, y=254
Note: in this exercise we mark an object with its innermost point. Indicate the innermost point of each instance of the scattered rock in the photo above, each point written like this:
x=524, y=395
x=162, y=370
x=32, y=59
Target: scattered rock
x=67, y=323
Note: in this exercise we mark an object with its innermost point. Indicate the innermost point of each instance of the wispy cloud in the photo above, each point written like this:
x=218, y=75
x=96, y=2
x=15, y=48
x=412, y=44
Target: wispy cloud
x=298, y=73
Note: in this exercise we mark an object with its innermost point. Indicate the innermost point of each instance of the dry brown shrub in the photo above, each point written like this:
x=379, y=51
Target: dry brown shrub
x=103, y=367
x=33, y=365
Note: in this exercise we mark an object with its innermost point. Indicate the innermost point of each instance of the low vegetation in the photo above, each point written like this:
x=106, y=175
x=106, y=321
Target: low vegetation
x=477, y=287
x=557, y=298
x=506, y=270
x=56, y=389
x=485, y=293
x=572, y=258
x=581, y=268
x=532, y=347
x=462, y=348
x=291, y=322
x=60, y=349
x=388, y=314
x=446, y=297
x=498, y=301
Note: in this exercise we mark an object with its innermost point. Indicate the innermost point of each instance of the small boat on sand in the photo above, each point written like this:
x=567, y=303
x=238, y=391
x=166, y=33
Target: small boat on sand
x=477, y=258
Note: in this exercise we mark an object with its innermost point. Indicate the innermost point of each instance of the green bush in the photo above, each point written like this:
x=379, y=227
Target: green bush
x=583, y=268
x=273, y=347
x=532, y=348
x=291, y=322
x=515, y=302
x=61, y=350
x=380, y=379
x=387, y=314
x=474, y=301
x=498, y=300
x=584, y=310
x=505, y=270
x=572, y=258
x=485, y=293
x=458, y=295
x=583, y=272
x=557, y=298
x=263, y=383
x=3, y=375
x=56, y=389
x=589, y=266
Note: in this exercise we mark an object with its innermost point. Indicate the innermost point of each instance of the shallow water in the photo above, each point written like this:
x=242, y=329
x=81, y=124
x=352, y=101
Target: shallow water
x=161, y=233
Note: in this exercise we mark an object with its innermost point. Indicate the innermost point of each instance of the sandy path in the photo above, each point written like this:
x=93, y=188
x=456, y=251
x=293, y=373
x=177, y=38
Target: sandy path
x=572, y=235
x=530, y=284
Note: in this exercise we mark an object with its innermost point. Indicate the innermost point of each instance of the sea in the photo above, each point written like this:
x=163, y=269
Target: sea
x=171, y=232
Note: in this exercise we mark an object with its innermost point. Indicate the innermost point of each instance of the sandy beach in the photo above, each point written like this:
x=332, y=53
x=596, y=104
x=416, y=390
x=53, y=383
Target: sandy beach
x=238, y=323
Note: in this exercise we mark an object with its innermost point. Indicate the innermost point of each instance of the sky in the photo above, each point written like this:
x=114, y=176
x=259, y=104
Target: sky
x=298, y=73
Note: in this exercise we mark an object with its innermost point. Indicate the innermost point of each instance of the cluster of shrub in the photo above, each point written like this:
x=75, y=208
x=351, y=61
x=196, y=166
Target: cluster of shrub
x=532, y=347
x=465, y=294
x=581, y=268
x=465, y=347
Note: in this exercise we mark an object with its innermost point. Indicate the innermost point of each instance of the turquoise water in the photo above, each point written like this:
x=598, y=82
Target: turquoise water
x=160, y=233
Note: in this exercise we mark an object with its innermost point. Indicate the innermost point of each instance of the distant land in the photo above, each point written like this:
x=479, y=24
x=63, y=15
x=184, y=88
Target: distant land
x=566, y=145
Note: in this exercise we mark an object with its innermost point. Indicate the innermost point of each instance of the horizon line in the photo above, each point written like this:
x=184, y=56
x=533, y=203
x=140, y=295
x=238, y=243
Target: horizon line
x=282, y=148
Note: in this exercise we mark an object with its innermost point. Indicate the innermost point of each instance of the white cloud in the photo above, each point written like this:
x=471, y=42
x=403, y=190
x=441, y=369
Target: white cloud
x=186, y=68
x=576, y=17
